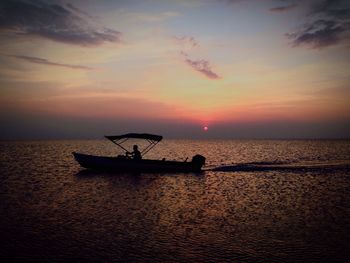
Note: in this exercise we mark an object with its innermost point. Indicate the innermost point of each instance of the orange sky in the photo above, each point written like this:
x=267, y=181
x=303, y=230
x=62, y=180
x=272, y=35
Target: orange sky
x=198, y=62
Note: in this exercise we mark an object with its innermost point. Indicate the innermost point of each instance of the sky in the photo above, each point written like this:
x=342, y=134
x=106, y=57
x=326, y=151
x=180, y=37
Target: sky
x=241, y=68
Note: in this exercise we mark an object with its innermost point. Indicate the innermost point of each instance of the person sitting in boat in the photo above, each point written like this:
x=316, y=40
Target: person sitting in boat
x=136, y=154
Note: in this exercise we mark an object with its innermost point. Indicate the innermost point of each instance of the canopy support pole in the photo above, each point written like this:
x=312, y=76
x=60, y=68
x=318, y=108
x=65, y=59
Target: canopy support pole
x=149, y=147
x=120, y=145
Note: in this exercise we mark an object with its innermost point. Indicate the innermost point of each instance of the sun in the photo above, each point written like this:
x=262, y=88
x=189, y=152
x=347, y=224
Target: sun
x=205, y=128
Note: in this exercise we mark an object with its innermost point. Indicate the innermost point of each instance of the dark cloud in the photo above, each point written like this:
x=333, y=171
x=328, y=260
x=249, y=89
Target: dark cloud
x=58, y=22
x=283, y=8
x=43, y=61
x=321, y=33
x=202, y=66
x=331, y=7
x=328, y=23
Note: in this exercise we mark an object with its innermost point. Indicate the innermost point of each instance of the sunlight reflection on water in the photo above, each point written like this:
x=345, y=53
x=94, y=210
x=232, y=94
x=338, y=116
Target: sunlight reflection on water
x=51, y=210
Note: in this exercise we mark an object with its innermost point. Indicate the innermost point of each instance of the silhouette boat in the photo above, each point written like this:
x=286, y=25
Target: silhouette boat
x=124, y=163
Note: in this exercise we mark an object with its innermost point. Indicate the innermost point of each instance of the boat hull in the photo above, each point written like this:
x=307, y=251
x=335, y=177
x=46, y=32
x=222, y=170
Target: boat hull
x=118, y=164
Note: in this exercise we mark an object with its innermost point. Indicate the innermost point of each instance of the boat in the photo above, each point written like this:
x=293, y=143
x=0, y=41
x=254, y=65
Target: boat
x=125, y=163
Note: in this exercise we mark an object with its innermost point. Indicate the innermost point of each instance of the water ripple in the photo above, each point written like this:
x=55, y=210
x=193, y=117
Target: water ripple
x=53, y=211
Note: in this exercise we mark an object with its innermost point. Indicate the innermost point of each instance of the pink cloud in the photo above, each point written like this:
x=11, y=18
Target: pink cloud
x=201, y=65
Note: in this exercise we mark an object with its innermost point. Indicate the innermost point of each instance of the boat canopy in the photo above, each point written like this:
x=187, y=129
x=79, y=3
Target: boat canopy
x=145, y=136
x=151, y=138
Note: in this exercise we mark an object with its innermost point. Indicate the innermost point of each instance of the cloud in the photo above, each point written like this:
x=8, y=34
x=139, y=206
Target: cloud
x=202, y=66
x=328, y=23
x=320, y=34
x=43, y=61
x=54, y=21
x=283, y=8
x=186, y=41
x=334, y=7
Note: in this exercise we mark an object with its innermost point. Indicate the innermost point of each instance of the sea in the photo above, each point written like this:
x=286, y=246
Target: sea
x=295, y=209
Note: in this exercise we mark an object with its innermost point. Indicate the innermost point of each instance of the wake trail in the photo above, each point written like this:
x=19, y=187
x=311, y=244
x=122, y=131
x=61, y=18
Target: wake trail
x=282, y=166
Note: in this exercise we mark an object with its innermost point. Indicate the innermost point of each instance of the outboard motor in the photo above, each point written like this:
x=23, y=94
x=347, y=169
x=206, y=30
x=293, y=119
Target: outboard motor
x=198, y=159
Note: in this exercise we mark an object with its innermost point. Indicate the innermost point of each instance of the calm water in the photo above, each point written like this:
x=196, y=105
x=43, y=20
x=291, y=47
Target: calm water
x=51, y=211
